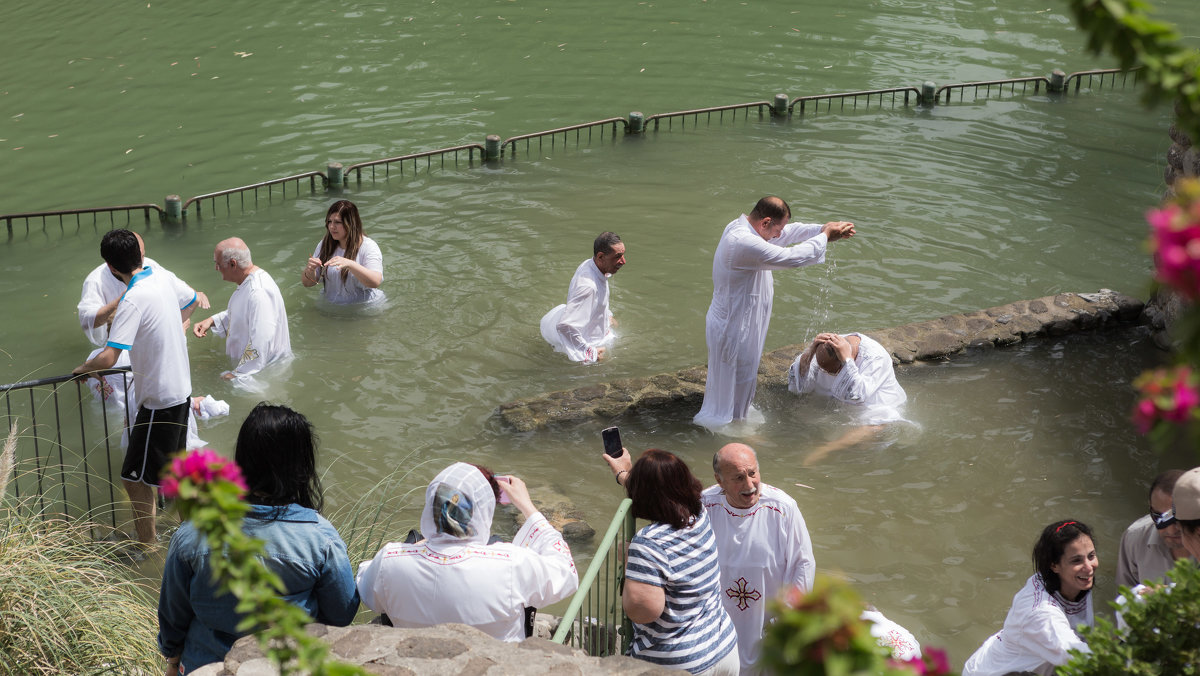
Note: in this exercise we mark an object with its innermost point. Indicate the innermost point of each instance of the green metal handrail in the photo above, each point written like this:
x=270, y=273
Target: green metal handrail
x=595, y=612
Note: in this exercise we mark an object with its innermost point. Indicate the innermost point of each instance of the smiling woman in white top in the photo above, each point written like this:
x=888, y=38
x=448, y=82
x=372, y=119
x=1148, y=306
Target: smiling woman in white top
x=1040, y=628
x=348, y=262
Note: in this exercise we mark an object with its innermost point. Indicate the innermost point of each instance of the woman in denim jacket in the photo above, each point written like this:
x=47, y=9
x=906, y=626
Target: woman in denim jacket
x=276, y=450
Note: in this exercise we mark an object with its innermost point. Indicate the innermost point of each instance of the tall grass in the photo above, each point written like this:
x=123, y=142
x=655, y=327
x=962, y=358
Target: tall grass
x=66, y=605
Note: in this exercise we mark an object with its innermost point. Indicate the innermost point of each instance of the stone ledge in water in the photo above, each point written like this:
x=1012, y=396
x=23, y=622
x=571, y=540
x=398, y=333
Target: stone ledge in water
x=435, y=651
x=922, y=341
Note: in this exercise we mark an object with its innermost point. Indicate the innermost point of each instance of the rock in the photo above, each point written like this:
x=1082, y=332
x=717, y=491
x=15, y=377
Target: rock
x=435, y=651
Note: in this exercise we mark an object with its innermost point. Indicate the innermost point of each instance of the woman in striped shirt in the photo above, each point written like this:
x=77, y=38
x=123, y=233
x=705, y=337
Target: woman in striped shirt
x=672, y=580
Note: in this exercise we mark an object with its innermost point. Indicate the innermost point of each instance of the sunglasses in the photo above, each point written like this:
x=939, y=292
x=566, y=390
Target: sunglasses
x=1163, y=519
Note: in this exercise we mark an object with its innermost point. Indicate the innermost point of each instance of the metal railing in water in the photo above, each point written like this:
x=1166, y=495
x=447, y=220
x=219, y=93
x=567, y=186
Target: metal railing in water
x=255, y=189
x=595, y=620
x=565, y=132
x=58, y=473
x=720, y=111
x=928, y=94
x=61, y=215
x=414, y=158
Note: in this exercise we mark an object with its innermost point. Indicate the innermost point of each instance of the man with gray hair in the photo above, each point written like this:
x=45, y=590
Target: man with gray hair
x=762, y=544
x=255, y=324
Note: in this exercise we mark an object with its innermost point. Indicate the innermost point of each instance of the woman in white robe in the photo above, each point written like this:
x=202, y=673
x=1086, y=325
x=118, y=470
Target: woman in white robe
x=348, y=262
x=454, y=575
x=1039, y=632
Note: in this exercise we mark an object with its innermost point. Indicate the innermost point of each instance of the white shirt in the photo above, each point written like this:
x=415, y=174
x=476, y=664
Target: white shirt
x=100, y=288
x=148, y=324
x=352, y=291
x=868, y=381
x=762, y=550
x=584, y=323
x=447, y=578
x=1038, y=632
x=740, y=312
x=255, y=325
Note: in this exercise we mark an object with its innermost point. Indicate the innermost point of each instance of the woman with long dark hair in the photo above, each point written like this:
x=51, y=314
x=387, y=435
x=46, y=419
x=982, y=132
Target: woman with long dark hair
x=277, y=452
x=1040, y=627
x=348, y=262
x=672, y=579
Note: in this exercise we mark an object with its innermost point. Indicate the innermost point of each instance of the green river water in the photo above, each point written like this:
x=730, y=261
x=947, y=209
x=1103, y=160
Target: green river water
x=958, y=207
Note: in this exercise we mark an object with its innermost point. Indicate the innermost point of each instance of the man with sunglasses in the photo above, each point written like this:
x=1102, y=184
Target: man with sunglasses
x=1152, y=544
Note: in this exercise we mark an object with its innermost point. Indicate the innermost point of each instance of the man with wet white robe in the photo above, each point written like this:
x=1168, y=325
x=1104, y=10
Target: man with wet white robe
x=740, y=313
x=582, y=327
x=255, y=324
x=853, y=369
x=763, y=544
x=454, y=575
x=98, y=300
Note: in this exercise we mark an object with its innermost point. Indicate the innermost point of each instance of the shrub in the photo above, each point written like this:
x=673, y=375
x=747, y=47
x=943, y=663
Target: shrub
x=66, y=605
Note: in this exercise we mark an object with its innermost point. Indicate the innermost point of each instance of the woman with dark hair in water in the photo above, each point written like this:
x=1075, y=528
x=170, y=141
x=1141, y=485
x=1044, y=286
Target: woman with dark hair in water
x=349, y=262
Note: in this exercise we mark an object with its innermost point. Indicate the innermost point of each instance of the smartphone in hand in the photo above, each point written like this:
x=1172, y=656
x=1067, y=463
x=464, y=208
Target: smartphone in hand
x=612, y=441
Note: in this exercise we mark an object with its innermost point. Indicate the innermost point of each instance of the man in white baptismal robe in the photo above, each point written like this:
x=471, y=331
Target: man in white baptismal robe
x=853, y=369
x=255, y=324
x=762, y=544
x=736, y=325
x=101, y=293
x=582, y=327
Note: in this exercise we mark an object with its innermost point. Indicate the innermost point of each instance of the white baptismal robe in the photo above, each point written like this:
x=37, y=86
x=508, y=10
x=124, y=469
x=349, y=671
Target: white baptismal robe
x=740, y=312
x=584, y=323
x=255, y=325
x=100, y=288
x=868, y=381
x=762, y=550
x=1038, y=632
x=446, y=578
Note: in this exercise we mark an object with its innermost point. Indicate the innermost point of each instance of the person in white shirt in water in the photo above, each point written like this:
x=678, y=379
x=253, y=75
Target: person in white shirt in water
x=582, y=328
x=255, y=324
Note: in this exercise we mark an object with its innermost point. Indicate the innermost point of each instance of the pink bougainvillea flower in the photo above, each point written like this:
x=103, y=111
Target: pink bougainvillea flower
x=1186, y=399
x=937, y=662
x=1145, y=414
x=169, y=487
x=201, y=467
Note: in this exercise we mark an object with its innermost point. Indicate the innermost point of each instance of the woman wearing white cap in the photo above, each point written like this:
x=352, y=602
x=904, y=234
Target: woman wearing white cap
x=1187, y=510
x=1040, y=628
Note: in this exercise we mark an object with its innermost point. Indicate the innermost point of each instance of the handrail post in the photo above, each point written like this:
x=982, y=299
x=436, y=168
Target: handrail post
x=637, y=122
x=928, y=92
x=491, y=148
x=173, y=207
x=337, y=177
x=780, y=108
x=1057, y=80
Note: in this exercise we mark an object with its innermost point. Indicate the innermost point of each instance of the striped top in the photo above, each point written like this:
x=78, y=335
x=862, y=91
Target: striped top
x=694, y=632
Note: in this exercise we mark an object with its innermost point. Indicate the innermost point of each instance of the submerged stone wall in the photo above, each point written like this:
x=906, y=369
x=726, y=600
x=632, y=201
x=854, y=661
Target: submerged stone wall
x=934, y=339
